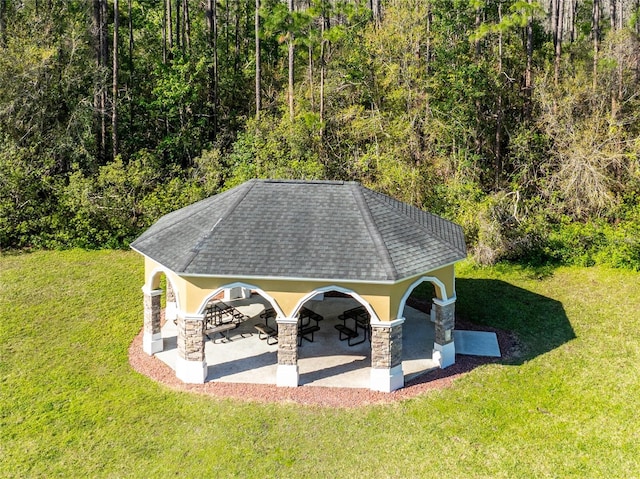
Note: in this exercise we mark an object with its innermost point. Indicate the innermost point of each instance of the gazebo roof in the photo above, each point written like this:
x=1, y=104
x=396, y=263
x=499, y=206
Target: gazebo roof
x=302, y=230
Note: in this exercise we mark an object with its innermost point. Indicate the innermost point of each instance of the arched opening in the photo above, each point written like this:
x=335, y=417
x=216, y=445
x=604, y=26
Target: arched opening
x=334, y=338
x=235, y=316
x=418, y=329
x=161, y=306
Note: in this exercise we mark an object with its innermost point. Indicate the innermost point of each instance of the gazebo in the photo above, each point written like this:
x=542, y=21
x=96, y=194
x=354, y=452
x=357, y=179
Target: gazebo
x=290, y=241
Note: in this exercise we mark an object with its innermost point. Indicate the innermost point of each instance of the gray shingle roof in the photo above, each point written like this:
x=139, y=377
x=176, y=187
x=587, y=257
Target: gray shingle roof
x=302, y=229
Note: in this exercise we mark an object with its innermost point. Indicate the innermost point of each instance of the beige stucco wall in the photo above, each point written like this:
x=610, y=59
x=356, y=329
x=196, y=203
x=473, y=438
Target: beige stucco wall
x=385, y=299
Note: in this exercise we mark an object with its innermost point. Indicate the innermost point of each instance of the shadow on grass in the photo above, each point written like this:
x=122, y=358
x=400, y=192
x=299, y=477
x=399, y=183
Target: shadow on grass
x=527, y=324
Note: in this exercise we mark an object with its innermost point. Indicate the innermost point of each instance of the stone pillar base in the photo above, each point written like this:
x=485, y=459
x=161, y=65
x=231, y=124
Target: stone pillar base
x=387, y=380
x=193, y=372
x=287, y=375
x=171, y=311
x=445, y=354
x=152, y=343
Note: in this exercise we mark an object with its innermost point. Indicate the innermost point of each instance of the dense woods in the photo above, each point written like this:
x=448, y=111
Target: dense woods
x=515, y=118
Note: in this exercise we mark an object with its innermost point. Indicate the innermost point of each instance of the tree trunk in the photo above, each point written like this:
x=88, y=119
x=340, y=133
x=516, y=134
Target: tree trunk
x=477, y=27
x=101, y=47
x=116, y=67
x=179, y=42
x=212, y=38
x=557, y=40
x=187, y=24
x=291, y=57
x=258, y=64
x=573, y=4
x=377, y=12
x=131, y=64
x=613, y=14
x=164, y=32
x=528, y=75
x=427, y=53
x=169, y=20
x=595, y=33
x=3, y=23
x=236, y=46
x=499, y=114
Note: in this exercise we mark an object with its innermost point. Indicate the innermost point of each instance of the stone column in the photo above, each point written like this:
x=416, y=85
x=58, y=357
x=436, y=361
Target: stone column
x=171, y=309
x=151, y=337
x=287, y=374
x=191, y=364
x=386, y=356
x=444, y=350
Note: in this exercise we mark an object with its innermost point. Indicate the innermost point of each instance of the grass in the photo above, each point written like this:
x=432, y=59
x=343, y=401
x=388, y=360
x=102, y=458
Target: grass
x=71, y=406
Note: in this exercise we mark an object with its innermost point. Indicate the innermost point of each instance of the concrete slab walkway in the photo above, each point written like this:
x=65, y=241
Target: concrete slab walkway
x=477, y=343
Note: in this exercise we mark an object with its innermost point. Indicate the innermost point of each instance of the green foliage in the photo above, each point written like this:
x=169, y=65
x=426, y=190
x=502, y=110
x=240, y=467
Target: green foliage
x=112, y=208
x=428, y=104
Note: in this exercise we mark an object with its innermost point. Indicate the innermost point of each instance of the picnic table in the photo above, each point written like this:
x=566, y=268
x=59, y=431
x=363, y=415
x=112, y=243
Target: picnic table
x=220, y=318
x=305, y=328
x=361, y=320
x=266, y=332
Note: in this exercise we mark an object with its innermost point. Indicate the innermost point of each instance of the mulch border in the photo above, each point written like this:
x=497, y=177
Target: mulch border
x=155, y=369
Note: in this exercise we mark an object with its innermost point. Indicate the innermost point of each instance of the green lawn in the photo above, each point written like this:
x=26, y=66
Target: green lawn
x=71, y=406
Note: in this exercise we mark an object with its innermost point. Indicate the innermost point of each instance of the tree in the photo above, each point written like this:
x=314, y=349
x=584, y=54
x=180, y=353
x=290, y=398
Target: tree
x=116, y=68
x=257, y=56
x=3, y=20
x=290, y=43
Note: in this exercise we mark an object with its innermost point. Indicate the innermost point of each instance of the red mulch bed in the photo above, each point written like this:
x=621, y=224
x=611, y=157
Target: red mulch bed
x=324, y=396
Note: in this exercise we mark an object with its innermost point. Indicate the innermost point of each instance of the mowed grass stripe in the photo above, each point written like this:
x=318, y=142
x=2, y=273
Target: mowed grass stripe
x=71, y=406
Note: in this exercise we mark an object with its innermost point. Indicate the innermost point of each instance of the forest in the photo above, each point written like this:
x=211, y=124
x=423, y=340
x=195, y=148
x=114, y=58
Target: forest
x=518, y=119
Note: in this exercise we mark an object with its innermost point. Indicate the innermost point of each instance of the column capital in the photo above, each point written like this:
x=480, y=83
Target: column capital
x=444, y=302
x=151, y=292
x=283, y=320
x=387, y=324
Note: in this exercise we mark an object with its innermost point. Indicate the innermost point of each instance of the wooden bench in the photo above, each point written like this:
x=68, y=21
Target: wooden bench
x=303, y=333
x=266, y=332
x=222, y=330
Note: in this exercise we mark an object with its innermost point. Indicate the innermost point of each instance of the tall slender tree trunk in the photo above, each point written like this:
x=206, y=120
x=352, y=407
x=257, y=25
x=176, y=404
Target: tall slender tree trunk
x=131, y=64
x=187, y=24
x=595, y=33
x=212, y=38
x=179, y=38
x=3, y=23
x=101, y=46
x=377, y=12
x=528, y=74
x=169, y=20
x=557, y=40
x=258, y=60
x=499, y=113
x=116, y=68
x=323, y=46
x=613, y=14
x=477, y=27
x=236, y=44
x=291, y=58
x=573, y=5
x=164, y=32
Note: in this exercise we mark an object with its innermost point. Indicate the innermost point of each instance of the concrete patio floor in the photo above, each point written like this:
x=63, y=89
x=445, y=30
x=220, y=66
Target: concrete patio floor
x=326, y=361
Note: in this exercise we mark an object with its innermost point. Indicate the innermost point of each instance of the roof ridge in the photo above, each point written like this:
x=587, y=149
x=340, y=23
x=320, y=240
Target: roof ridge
x=196, y=249
x=378, y=240
x=405, y=209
